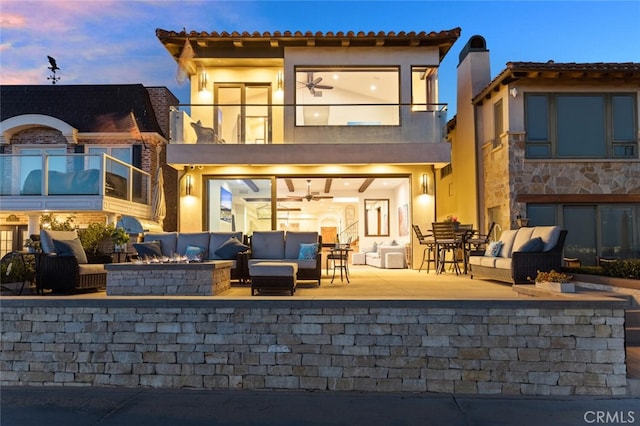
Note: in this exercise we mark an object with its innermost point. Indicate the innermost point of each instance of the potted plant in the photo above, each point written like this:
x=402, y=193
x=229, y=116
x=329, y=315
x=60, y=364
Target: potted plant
x=120, y=239
x=33, y=245
x=96, y=241
x=555, y=281
x=15, y=272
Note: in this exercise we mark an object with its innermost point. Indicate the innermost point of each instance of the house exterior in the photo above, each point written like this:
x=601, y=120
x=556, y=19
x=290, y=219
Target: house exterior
x=101, y=147
x=554, y=143
x=280, y=124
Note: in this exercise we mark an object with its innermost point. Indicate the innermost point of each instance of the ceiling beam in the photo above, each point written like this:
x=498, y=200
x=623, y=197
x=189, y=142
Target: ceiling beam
x=365, y=184
x=251, y=184
x=290, y=186
x=327, y=185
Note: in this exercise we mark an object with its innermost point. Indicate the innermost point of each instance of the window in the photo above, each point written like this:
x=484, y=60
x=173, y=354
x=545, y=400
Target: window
x=498, y=123
x=608, y=230
x=424, y=85
x=581, y=125
x=347, y=96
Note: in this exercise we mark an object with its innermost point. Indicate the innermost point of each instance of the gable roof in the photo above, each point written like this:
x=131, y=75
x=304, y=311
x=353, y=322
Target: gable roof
x=593, y=71
x=88, y=108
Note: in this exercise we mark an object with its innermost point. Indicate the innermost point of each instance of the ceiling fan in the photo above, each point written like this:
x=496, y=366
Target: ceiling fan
x=313, y=84
x=309, y=196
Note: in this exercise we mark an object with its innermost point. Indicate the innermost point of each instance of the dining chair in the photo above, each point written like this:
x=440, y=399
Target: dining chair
x=429, y=252
x=478, y=242
x=444, y=234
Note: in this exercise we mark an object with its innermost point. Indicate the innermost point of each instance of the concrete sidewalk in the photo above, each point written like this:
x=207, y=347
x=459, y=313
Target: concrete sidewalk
x=82, y=406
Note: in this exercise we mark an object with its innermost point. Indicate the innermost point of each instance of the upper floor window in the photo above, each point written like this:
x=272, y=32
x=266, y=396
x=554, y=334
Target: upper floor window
x=347, y=96
x=424, y=88
x=581, y=125
x=498, y=123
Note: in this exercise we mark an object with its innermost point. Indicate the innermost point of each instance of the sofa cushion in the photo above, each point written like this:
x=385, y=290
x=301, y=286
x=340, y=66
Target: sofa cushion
x=507, y=239
x=47, y=236
x=217, y=239
x=523, y=235
x=71, y=248
x=489, y=262
x=168, y=242
x=149, y=249
x=503, y=263
x=267, y=245
x=549, y=235
x=308, y=251
x=229, y=249
x=493, y=250
x=91, y=268
x=533, y=245
x=194, y=239
x=293, y=239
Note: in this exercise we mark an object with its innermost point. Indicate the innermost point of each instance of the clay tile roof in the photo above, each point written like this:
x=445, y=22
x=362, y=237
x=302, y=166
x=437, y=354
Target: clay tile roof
x=174, y=41
x=562, y=71
x=88, y=108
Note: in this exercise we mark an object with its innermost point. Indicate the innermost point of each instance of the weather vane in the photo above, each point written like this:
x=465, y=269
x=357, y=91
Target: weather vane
x=53, y=68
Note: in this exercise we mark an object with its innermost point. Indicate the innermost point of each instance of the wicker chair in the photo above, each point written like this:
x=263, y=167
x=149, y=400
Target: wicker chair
x=64, y=274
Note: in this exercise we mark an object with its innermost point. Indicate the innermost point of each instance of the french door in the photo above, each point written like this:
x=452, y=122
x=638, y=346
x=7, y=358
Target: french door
x=243, y=113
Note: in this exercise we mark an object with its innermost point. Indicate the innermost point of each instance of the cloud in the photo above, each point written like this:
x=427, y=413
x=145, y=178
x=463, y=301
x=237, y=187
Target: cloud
x=11, y=20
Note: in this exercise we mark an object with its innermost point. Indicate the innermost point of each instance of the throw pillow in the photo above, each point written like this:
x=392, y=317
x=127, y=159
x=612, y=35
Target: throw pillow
x=148, y=249
x=230, y=249
x=308, y=251
x=71, y=248
x=533, y=245
x=194, y=253
x=493, y=250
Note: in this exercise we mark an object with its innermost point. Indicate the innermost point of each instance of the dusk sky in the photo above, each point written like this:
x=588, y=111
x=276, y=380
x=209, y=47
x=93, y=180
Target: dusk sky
x=114, y=41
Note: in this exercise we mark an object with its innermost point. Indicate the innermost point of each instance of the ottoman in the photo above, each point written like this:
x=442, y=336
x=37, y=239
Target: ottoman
x=359, y=259
x=273, y=277
x=394, y=261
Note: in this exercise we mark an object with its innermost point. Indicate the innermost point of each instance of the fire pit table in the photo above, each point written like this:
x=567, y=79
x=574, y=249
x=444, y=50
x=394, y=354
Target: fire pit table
x=168, y=279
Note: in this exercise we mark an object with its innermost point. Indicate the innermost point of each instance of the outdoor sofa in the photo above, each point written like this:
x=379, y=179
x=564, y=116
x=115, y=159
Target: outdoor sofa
x=202, y=246
x=301, y=248
x=519, y=255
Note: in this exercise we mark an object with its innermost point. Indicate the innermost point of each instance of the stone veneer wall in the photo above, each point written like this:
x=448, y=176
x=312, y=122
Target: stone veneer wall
x=486, y=347
x=508, y=172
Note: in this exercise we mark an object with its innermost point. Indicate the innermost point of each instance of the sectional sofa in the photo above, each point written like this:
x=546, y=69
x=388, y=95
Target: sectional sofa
x=520, y=254
x=201, y=245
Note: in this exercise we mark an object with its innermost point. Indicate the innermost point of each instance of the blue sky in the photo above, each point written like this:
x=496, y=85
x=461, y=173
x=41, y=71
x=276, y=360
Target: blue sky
x=114, y=41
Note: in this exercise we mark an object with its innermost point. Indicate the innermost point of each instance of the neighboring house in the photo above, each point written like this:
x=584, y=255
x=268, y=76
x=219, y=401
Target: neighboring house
x=101, y=146
x=339, y=133
x=554, y=143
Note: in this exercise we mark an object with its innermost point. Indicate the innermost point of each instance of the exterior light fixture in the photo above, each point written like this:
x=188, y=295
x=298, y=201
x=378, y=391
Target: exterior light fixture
x=424, y=184
x=513, y=92
x=279, y=81
x=202, y=81
x=188, y=185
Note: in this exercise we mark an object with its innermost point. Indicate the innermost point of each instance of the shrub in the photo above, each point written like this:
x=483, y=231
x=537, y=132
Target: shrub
x=626, y=268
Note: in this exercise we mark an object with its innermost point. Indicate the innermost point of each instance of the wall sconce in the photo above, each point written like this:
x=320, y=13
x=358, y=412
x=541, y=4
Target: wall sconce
x=424, y=184
x=202, y=81
x=513, y=92
x=188, y=184
x=279, y=81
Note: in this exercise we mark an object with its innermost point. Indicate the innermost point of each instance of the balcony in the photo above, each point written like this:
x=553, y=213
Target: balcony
x=73, y=182
x=299, y=134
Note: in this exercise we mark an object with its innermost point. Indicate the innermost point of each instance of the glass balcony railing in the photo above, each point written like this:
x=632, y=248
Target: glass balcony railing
x=308, y=123
x=73, y=174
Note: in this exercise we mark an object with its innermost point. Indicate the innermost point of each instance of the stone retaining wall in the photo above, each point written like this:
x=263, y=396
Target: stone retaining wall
x=486, y=347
